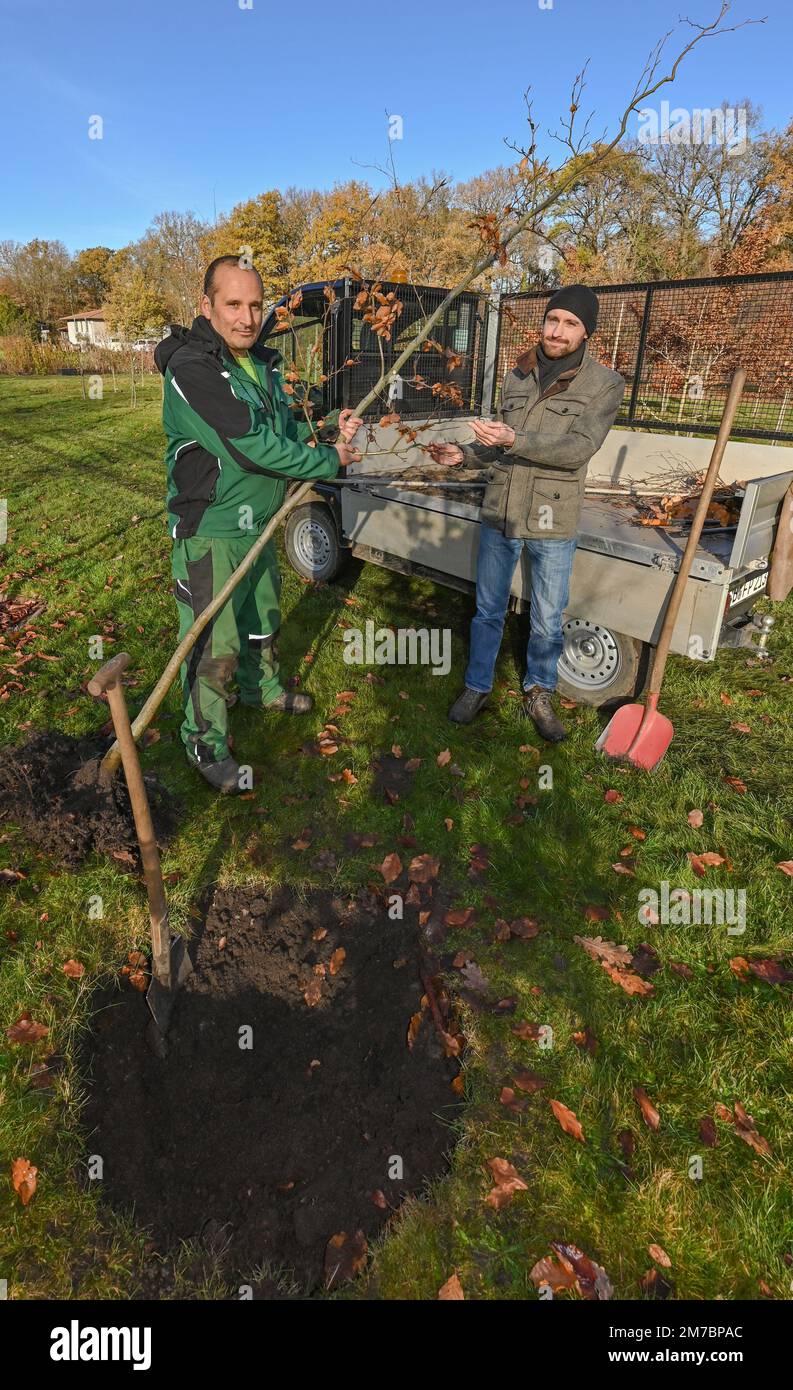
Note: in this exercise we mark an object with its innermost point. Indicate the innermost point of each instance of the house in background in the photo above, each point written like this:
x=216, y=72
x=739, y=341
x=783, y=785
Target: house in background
x=89, y=328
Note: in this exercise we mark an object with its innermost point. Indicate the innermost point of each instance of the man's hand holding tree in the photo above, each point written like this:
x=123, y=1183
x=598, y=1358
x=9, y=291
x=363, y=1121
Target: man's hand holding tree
x=349, y=425
x=489, y=432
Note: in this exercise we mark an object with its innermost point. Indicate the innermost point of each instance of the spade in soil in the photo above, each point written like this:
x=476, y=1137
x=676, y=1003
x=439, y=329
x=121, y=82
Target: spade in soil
x=170, y=961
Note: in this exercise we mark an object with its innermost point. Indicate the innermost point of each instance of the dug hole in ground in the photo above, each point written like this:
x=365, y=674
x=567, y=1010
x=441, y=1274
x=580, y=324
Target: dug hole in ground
x=310, y=1082
x=305, y=1092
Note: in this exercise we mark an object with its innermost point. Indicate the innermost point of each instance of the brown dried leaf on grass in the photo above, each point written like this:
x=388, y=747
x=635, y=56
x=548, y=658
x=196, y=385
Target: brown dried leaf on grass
x=23, y=1177
x=568, y=1120
x=657, y=1253
x=459, y=916
x=654, y=1285
x=650, y=1115
x=632, y=984
x=615, y=960
x=423, y=868
x=474, y=979
x=594, y=913
x=586, y=1040
x=452, y=1289
x=707, y=1132
x=608, y=951
x=507, y=1183
x=526, y=1031
x=745, y=1128
x=527, y=1080
x=26, y=1030
x=391, y=867
x=737, y=784
x=771, y=972
x=701, y=862
x=572, y=1269
x=524, y=927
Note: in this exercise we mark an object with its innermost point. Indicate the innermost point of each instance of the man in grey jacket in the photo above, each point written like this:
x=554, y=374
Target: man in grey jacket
x=557, y=406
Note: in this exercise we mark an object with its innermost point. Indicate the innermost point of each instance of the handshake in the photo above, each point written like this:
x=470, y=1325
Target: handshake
x=487, y=432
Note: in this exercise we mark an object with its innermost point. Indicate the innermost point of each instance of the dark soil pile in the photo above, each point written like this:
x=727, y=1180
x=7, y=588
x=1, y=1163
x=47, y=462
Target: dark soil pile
x=50, y=787
x=265, y=1152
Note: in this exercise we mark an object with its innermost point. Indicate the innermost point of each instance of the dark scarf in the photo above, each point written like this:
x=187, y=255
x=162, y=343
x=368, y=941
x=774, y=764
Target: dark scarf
x=549, y=368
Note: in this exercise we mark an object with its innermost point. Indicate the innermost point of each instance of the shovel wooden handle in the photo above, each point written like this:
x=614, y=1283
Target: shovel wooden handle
x=673, y=607
x=107, y=681
x=109, y=674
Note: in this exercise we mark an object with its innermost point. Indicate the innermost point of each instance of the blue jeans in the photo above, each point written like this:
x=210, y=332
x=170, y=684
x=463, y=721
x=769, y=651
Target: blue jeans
x=551, y=563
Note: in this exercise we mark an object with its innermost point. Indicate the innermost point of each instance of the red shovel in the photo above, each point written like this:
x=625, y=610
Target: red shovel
x=638, y=733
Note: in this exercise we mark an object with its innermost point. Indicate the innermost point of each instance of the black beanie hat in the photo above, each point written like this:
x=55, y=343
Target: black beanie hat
x=579, y=300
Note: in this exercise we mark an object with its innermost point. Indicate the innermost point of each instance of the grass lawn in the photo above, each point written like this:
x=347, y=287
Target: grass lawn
x=87, y=536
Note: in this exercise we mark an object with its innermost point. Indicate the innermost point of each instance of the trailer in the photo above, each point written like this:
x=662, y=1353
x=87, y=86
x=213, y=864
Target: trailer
x=623, y=570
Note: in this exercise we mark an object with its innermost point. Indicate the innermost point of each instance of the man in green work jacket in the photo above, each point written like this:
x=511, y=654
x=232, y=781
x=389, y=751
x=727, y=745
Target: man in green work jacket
x=233, y=444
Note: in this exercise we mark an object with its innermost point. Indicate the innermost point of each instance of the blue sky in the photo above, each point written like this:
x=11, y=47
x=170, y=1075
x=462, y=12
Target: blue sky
x=205, y=102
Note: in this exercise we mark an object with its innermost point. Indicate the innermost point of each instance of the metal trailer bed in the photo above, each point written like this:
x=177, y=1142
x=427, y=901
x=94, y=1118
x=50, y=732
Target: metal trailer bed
x=622, y=573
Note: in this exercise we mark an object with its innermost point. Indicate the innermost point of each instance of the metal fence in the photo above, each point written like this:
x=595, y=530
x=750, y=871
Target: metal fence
x=677, y=343
x=455, y=366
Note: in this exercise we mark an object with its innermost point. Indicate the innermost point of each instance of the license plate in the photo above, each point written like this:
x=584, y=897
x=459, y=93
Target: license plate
x=752, y=586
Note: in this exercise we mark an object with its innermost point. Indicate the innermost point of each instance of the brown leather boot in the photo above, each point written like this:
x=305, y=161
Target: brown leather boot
x=537, y=705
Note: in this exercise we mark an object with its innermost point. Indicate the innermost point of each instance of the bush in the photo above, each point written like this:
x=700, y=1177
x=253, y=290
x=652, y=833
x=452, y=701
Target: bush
x=20, y=356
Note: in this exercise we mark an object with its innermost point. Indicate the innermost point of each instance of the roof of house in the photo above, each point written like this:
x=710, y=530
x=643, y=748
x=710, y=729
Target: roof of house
x=86, y=314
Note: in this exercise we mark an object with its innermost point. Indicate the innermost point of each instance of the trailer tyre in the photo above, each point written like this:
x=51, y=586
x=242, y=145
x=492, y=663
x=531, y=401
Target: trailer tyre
x=312, y=542
x=599, y=666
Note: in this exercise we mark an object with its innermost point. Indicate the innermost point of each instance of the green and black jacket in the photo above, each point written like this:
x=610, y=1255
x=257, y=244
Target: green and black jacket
x=232, y=445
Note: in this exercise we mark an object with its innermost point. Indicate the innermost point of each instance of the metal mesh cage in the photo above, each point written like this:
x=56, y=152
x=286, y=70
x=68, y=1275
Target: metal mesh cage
x=677, y=343
x=454, y=368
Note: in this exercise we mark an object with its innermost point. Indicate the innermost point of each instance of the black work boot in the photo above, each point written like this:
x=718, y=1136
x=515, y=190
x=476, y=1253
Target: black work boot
x=537, y=705
x=291, y=702
x=224, y=775
x=467, y=706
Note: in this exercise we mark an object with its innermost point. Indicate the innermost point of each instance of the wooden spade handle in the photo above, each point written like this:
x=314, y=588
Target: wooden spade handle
x=673, y=608
x=110, y=674
x=108, y=680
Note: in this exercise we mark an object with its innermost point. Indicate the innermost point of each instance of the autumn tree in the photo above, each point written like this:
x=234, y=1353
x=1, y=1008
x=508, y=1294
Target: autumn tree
x=171, y=254
x=255, y=229
x=338, y=229
x=37, y=277
x=135, y=307
x=90, y=277
x=779, y=254
x=602, y=223
x=15, y=319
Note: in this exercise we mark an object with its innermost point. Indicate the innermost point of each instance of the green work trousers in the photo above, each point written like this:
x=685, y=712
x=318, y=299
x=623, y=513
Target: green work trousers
x=240, y=638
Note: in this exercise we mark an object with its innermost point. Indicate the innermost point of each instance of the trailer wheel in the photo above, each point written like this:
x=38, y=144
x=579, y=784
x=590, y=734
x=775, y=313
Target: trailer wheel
x=598, y=665
x=312, y=542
